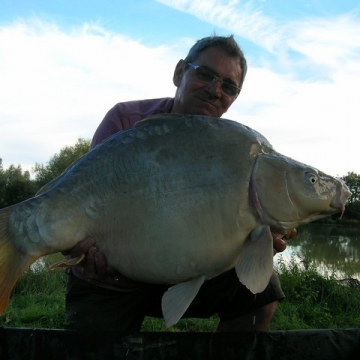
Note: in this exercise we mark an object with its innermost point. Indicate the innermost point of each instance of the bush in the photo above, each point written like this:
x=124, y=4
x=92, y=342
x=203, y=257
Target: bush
x=315, y=301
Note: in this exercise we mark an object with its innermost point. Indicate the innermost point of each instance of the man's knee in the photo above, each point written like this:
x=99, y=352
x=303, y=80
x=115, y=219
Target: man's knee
x=256, y=320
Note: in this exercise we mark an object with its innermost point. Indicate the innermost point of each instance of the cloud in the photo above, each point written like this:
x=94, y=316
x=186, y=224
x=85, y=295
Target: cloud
x=323, y=40
x=244, y=18
x=315, y=122
x=333, y=42
x=302, y=86
x=57, y=84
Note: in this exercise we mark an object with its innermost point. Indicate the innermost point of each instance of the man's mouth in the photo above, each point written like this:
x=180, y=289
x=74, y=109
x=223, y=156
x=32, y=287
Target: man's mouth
x=210, y=103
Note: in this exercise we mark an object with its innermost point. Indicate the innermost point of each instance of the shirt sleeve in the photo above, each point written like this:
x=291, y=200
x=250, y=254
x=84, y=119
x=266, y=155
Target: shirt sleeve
x=111, y=124
x=125, y=115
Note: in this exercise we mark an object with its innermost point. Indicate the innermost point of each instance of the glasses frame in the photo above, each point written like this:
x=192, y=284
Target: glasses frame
x=214, y=79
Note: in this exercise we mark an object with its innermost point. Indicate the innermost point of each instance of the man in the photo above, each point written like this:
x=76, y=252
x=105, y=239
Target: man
x=208, y=81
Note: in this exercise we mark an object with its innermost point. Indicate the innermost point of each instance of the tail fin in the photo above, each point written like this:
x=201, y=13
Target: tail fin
x=13, y=262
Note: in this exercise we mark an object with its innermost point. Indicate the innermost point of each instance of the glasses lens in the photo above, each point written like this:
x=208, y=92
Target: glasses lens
x=229, y=89
x=207, y=76
x=204, y=75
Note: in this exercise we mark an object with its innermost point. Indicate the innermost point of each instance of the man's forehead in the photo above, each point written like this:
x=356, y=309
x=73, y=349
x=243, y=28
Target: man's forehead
x=215, y=53
x=219, y=60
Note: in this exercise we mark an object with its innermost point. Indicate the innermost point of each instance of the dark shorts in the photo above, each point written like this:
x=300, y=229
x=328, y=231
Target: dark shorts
x=90, y=307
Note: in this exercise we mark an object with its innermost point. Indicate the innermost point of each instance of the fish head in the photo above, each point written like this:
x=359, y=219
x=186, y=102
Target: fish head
x=287, y=193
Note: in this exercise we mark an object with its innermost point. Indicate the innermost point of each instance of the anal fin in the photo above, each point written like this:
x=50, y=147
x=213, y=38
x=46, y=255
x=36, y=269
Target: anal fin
x=178, y=298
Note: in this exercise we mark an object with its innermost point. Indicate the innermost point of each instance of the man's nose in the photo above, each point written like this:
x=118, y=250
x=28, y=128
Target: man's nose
x=215, y=87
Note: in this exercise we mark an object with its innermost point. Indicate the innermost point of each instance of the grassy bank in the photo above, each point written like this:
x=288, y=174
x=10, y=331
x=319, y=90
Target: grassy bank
x=313, y=301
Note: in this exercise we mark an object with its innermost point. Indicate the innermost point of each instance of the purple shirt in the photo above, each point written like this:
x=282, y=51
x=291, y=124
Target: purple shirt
x=121, y=117
x=124, y=115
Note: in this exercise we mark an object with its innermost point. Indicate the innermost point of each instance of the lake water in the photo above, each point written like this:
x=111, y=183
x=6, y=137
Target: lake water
x=332, y=248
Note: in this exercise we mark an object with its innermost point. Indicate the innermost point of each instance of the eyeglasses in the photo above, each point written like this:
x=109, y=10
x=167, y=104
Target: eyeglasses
x=206, y=76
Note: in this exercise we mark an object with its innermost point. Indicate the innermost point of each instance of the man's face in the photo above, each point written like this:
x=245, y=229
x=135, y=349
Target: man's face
x=196, y=97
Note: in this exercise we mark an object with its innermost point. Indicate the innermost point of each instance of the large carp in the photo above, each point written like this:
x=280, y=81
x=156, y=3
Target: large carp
x=177, y=200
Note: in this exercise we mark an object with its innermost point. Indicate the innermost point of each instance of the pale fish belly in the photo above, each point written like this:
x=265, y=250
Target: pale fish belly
x=172, y=237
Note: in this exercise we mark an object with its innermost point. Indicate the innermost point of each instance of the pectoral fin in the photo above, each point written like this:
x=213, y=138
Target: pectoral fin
x=255, y=265
x=69, y=263
x=177, y=299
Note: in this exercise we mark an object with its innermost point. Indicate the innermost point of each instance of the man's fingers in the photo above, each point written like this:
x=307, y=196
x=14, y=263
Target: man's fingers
x=101, y=265
x=278, y=244
x=94, y=266
x=291, y=234
x=89, y=269
x=82, y=247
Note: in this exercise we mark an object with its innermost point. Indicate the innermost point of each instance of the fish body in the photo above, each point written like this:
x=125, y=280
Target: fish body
x=177, y=200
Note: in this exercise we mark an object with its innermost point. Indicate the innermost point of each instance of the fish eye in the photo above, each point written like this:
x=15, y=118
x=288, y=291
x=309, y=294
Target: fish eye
x=312, y=178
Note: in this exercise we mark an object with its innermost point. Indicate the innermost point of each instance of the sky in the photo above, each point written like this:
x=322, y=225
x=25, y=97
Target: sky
x=65, y=63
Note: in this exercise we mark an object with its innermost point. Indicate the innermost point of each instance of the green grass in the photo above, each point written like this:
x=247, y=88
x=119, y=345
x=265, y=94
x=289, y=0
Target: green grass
x=38, y=299
x=313, y=301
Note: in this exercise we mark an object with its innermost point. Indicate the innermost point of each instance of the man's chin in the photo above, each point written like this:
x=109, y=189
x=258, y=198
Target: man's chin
x=207, y=111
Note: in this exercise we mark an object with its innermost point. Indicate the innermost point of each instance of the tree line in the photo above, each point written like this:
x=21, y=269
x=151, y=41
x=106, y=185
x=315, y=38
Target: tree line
x=17, y=185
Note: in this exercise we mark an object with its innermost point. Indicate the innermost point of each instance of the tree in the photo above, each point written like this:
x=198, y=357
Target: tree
x=352, y=180
x=15, y=186
x=59, y=162
x=2, y=185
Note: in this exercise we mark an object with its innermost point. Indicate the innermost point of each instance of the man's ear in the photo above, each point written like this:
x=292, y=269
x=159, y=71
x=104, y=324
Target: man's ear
x=178, y=73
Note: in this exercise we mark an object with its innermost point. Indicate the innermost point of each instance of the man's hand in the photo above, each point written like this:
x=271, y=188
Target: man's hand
x=94, y=265
x=278, y=243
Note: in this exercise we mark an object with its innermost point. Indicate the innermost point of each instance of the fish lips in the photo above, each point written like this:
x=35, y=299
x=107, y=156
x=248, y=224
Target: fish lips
x=343, y=194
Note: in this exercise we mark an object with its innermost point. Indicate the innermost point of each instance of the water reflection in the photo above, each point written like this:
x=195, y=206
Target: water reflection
x=332, y=248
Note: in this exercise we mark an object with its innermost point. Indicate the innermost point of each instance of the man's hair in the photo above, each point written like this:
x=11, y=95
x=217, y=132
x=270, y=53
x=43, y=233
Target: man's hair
x=226, y=43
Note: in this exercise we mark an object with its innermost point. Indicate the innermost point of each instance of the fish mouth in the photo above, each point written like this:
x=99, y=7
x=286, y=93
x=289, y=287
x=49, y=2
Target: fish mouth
x=337, y=208
x=338, y=202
